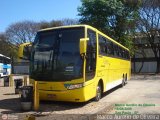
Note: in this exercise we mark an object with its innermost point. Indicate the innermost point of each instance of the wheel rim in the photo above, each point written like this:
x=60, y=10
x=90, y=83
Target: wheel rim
x=126, y=79
x=123, y=82
x=98, y=92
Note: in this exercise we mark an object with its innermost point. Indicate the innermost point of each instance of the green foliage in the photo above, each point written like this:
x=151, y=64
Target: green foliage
x=6, y=48
x=100, y=13
x=53, y=23
x=56, y=23
x=115, y=18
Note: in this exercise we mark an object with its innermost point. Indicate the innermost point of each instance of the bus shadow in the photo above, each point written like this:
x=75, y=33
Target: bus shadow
x=13, y=105
x=9, y=106
x=112, y=90
x=48, y=106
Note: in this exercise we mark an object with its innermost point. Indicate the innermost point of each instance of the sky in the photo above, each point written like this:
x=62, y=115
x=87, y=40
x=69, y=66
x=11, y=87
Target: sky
x=12, y=11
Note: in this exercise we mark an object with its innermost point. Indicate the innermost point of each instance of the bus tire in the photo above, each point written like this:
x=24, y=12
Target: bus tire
x=98, y=92
x=126, y=79
x=123, y=81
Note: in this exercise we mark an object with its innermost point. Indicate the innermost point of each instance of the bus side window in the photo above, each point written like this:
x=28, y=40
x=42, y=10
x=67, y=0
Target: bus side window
x=110, y=50
x=120, y=52
x=128, y=56
x=116, y=51
x=5, y=60
x=123, y=54
x=102, y=45
x=1, y=60
x=8, y=61
x=91, y=54
x=105, y=46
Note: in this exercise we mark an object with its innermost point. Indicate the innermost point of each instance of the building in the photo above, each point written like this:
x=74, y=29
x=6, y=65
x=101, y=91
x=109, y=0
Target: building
x=144, y=60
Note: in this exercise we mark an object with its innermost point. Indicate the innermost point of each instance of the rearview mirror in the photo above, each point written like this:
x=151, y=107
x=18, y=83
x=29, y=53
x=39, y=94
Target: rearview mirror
x=83, y=45
x=24, y=51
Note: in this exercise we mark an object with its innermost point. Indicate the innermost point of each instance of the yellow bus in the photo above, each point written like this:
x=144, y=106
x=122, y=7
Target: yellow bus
x=77, y=63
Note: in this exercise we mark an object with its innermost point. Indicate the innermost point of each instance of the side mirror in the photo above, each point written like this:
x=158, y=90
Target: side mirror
x=24, y=51
x=83, y=45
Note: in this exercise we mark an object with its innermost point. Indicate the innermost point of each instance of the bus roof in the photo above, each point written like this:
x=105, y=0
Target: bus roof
x=87, y=26
x=4, y=56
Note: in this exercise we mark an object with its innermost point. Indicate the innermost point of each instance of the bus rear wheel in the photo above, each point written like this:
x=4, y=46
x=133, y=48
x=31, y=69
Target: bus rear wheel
x=123, y=81
x=98, y=92
x=126, y=79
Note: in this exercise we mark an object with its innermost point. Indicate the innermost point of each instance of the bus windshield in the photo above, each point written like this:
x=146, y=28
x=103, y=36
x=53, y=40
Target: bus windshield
x=55, y=55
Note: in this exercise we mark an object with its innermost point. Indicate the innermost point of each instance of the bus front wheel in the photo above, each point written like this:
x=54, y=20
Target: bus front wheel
x=98, y=92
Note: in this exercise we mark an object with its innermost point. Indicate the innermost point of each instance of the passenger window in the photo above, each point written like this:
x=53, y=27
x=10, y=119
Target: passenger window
x=115, y=50
x=102, y=45
x=110, y=50
x=128, y=56
x=120, y=52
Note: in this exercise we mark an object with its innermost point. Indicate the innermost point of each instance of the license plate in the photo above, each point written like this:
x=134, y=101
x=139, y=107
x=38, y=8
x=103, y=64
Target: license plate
x=51, y=96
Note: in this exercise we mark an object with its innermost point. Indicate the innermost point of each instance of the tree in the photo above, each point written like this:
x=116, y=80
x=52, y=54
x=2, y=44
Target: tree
x=44, y=24
x=22, y=32
x=25, y=31
x=6, y=48
x=116, y=18
x=68, y=21
x=149, y=26
x=56, y=23
x=53, y=23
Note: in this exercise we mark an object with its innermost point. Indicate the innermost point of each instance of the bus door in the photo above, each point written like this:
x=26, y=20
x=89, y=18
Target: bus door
x=91, y=55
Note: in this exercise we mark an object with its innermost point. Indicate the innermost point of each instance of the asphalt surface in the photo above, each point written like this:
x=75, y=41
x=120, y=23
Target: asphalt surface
x=141, y=96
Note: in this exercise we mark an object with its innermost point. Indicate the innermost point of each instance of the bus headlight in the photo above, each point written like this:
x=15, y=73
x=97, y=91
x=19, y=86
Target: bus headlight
x=73, y=86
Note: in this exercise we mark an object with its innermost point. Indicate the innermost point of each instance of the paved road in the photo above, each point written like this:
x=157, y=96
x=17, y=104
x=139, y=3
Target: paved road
x=140, y=96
